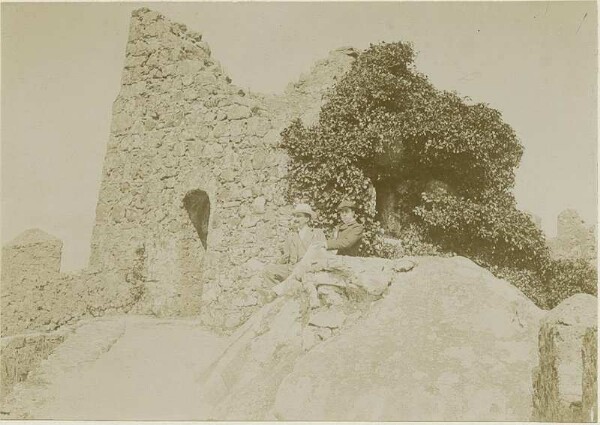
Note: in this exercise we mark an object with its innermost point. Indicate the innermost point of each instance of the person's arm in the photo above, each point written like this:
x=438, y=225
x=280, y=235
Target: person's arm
x=285, y=258
x=320, y=236
x=346, y=238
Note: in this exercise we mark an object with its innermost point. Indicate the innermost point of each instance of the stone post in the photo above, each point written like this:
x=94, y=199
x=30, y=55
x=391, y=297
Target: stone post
x=565, y=380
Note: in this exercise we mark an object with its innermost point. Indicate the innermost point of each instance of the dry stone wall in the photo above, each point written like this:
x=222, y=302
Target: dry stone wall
x=179, y=125
x=574, y=238
x=37, y=301
x=33, y=252
x=36, y=297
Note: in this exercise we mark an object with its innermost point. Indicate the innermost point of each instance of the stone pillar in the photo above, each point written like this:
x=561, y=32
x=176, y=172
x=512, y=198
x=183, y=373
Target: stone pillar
x=29, y=263
x=32, y=253
x=565, y=380
x=590, y=375
x=574, y=239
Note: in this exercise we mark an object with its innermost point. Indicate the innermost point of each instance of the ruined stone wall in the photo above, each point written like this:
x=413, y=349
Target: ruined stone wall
x=37, y=301
x=178, y=125
x=36, y=297
x=29, y=262
x=33, y=252
x=574, y=238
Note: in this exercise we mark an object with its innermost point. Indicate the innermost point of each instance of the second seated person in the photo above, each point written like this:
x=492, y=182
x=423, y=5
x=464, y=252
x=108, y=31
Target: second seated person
x=347, y=237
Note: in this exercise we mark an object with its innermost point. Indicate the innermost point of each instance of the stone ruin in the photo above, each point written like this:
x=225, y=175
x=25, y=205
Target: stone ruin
x=191, y=207
x=191, y=204
x=188, y=147
x=574, y=238
x=192, y=198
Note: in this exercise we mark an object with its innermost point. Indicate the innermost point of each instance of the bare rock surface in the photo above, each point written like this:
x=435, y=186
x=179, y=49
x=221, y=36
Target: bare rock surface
x=444, y=341
x=243, y=383
x=416, y=339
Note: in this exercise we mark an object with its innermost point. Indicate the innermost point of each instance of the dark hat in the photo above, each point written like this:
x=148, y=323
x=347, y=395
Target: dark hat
x=346, y=204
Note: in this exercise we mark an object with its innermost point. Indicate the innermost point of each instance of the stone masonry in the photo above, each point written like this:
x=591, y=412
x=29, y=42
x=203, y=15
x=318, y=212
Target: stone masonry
x=565, y=381
x=28, y=263
x=180, y=125
x=37, y=301
x=179, y=128
x=182, y=131
x=574, y=238
x=36, y=297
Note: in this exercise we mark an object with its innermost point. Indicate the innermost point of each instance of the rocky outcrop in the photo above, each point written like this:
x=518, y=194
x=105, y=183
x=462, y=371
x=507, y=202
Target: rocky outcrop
x=348, y=338
x=566, y=379
x=443, y=341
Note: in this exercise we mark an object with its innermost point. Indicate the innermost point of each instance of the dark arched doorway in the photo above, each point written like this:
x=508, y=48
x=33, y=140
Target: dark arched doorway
x=197, y=204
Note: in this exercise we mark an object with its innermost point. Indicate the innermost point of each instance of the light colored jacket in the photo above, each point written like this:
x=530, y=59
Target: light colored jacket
x=295, y=248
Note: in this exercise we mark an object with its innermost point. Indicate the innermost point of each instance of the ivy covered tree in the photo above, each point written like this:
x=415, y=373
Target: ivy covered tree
x=442, y=168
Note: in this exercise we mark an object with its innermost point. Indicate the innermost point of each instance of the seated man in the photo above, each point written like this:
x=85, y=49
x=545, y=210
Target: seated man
x=296, y=244
x=347, y=236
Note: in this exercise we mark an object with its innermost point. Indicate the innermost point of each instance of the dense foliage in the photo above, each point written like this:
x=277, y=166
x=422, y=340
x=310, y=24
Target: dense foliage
x=557, y=281
x=443, y=167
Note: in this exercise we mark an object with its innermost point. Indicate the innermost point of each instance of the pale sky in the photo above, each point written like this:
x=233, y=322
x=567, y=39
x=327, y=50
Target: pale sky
x=61, y=68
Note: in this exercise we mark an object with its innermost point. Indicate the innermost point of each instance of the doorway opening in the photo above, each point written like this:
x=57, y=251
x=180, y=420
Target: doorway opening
x=197, y=204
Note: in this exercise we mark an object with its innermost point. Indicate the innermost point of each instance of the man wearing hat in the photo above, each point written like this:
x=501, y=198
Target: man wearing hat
x=348, y=235
x=296, y=244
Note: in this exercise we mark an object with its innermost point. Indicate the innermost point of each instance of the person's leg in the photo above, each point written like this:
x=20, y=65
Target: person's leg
x=313, y=295
x=275, y=273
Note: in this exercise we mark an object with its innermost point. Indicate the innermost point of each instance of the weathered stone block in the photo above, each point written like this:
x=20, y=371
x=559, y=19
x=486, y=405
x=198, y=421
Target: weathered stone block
x=238, y=112
x=258, y=205
x=560, y=378
x=589, y=407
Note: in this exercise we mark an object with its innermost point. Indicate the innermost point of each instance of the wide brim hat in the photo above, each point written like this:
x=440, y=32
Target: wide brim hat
x=304, y=209
x=346, y=204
